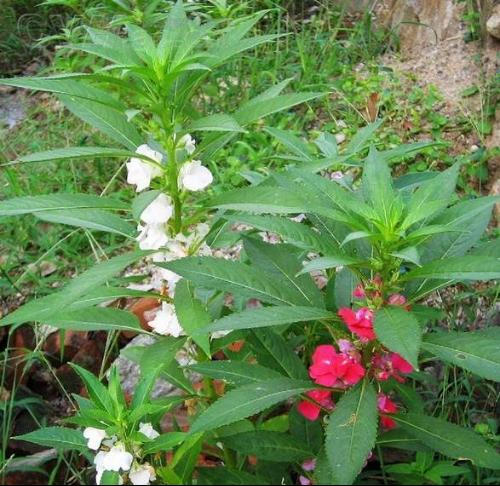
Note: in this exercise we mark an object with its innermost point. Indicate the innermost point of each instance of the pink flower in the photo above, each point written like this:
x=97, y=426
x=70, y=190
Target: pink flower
x=311, y=410
x=330, y=368
x=390, y=364
x=304, y=481
x=309, y=465
x=396, y=299
x=359, y=292
x=385, y=406
x=359, y=322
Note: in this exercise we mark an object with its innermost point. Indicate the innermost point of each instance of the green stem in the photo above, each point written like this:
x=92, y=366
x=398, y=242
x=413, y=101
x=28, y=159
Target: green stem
x=173, y=176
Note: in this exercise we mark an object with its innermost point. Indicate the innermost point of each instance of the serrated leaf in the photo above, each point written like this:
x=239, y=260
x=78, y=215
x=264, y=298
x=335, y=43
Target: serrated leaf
x=216, y=123
x=478, y=352
x=351, y=432
x=399, y=331
x=450, y=439
x=57, y=202
x=93, y=219
x=164, y=442
x=273, y=351
x=60, y=438
x=231, y=276
x=269, y=446
x=111, y=122
x=237, y=372
x=248, y=400
x=269, y=316
x=95, y=319
x=458, y=268
x=326, y=262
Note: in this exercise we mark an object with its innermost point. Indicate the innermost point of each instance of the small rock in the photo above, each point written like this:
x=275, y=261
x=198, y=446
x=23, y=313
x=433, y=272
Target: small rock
x=47, y=268
x=130, y=372
x=493, y=23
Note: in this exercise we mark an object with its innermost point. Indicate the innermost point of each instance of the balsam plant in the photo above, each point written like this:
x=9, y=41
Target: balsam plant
x=299, y=355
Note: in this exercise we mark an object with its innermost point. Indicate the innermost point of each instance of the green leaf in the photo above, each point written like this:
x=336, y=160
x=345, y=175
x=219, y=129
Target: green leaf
x=283, y=262
x=269, y=316
x=93, y=219
x=323, y=263
x=41, y=310
x=237, y=372
x=248, y=400
x=478, y=352
x=60, y=438
x=164, y=442
x=261, y=199
x=98, y=393
x=362, y=137
x=192, y=314
x=293, y=143
x=275, y=352
x=351, y=432
x=458, y=268
x=379, y=191
x=216, y=123
x=401, y=439
x=269, y=446
x=450, y=439
x=70, y=87
x=109, y=121
x=327, y=143
x=59, y=202
x=463, y=225
x=294, y=233
x=432, y=196
x=230, y=276
x=400, y=332
x=142, y=43
x=73, y=153
x=254, y=110
x=95, y=319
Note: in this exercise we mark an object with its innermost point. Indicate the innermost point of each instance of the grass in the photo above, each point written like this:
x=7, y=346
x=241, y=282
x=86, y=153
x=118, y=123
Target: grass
x=329, y=53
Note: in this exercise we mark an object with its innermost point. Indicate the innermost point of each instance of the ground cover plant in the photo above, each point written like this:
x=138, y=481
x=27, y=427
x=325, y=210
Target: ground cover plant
x=294, y=314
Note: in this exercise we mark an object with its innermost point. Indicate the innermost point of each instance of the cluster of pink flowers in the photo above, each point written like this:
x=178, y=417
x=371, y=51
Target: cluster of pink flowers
x=342, y=369
x=386, y=406
x=330, y=368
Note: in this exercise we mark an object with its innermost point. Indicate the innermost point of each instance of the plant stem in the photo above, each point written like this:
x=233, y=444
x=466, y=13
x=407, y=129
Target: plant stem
x=174, y=187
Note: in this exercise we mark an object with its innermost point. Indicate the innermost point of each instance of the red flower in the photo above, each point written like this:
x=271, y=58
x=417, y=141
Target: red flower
x=396, y=299
x=390, y=364
x=359, y=322
x=400, y=364
x=359, y=292
x=386, y=405
x=330, y=368
x=311, y=410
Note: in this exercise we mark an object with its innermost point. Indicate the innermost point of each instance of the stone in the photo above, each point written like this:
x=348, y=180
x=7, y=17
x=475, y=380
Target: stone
x=130, y=372
x=493, y=23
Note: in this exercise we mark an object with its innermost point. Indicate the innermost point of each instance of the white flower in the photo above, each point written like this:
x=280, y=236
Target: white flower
x=159, y=211
x=140, y=172
x=147, y=430
x=142, y=474
x=339, y=137
x=189, y=143
x=114, y=460
x=194, y=177
x=94, y=437
x=166, y=322
x=152, y=236
x=117, y=458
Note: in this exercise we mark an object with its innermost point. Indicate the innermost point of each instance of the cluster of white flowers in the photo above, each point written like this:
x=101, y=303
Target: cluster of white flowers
x=113, y=455
x=193, y=176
